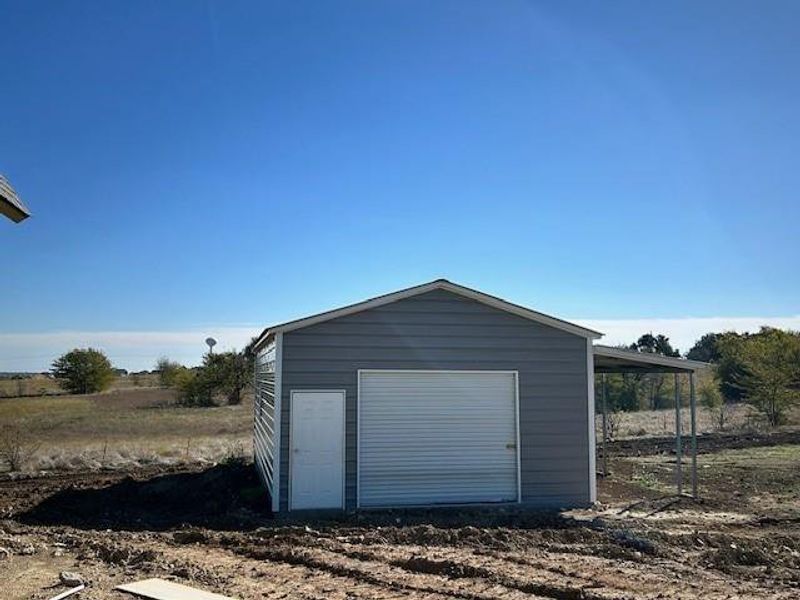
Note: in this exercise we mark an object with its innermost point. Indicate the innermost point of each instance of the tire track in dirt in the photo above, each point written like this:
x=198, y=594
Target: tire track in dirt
x=322, y=576
x=220, y=570
x=563, y=576
x=456, y=575
x=547, y=581
x=530, y=576
x=377, y=574
x=325, y=568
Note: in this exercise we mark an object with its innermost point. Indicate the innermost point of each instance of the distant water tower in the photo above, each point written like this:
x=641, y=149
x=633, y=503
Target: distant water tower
x=211, y=343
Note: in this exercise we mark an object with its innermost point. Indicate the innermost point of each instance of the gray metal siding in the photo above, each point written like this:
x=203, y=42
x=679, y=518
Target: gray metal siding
x=264, y=415
x=441, y=330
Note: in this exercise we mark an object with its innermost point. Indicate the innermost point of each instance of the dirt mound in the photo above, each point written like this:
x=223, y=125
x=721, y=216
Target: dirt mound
x=708, y=442
x=224, y=496
x=448, y=568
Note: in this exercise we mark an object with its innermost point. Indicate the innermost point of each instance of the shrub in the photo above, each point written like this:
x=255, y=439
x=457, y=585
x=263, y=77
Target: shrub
x=169, y=371
x=16, y=448
x=711, y=399
x=234, y=454
x=194, y=388
x=771, y=372
x=229, y=373
x=83, y=371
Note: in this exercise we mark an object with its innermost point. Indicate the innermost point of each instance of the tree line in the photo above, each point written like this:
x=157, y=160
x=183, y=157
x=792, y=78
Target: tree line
x=220, y=379
x=761, y=369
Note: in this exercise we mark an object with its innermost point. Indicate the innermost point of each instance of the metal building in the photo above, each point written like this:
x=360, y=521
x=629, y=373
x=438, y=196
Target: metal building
x=433, y=395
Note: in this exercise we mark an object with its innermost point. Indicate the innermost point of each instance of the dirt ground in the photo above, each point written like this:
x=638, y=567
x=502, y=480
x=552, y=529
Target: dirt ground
x=206, y=527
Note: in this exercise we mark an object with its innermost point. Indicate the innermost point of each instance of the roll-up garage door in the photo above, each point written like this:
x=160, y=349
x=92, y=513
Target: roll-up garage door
x=437, y=437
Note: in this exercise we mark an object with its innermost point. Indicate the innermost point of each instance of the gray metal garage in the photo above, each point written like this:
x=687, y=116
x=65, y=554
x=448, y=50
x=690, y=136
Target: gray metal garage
x=433, y=395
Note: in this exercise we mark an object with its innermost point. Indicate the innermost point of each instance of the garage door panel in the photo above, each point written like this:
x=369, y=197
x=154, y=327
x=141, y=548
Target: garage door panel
x=437, y=437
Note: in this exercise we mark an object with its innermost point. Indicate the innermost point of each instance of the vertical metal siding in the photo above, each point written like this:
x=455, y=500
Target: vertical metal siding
x=438, y=437
x=264, y=415
x=443, y=331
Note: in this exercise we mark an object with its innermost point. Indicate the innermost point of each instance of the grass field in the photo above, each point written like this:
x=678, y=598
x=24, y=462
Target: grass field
x=645, y=423
x=126, y=427
x=39, y=385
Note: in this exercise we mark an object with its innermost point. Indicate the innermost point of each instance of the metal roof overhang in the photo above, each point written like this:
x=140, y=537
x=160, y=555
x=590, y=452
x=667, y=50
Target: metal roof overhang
x=618, y=360
x=10, y=204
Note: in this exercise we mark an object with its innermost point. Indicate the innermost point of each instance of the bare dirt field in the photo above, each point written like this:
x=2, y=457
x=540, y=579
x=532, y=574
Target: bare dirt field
x=206, y=527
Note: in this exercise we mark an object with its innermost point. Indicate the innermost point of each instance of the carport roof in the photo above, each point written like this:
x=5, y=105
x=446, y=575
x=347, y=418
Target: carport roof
x=619, y=360
x=10, y=204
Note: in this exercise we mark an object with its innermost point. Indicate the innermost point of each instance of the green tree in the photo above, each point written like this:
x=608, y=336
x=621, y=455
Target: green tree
x=770, y=379
x=195, y=387
x=229, y=373
x=655, y=344
x=705, y=349
x=222, y=374
x=711, y=398
x=652, y=385
x=168, y=371
x=623, y=392
x=730, y=366
x=83, y=371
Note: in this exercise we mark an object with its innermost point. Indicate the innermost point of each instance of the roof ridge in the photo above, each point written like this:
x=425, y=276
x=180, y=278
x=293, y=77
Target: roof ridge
x=409, y=292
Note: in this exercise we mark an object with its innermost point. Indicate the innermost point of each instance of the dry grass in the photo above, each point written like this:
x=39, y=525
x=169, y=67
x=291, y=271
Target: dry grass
x=754, y=479
x=124, y=428
x=39, y=385
x=658, y=423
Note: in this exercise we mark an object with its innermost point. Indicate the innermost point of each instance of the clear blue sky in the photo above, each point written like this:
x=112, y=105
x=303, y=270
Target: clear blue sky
x=194, y=164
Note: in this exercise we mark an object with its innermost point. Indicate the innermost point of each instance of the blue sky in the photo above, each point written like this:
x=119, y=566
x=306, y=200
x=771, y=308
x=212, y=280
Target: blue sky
x=218, y=166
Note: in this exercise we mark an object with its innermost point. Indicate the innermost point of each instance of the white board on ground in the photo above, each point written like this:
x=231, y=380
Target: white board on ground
x=160, y=589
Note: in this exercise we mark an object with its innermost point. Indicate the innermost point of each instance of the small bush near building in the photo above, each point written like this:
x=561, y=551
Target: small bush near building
x=16, y=448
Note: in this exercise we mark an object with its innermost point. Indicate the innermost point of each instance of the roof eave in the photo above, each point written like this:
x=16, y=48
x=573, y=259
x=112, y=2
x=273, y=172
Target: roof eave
x=645, y=358
x=12, y=210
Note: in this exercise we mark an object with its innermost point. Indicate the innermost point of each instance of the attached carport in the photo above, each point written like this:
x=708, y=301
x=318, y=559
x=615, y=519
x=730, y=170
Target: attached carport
x=618, y=360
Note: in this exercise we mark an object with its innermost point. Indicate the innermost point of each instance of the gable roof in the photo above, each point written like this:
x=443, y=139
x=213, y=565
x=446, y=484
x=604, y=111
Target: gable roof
x=438, y=284
x=10, y=204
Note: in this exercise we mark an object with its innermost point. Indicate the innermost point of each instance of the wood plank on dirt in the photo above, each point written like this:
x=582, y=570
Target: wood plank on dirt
x=160, y=589
x=69, y=592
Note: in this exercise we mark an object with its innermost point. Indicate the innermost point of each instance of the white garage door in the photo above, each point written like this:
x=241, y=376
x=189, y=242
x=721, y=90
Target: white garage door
x=437, y=437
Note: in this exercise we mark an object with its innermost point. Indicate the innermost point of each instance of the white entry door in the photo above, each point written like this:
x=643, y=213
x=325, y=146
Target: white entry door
x=317, y=449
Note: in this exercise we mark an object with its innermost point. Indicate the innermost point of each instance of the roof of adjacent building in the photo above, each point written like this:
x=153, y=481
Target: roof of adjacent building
x=438, y=284
x=10, y=204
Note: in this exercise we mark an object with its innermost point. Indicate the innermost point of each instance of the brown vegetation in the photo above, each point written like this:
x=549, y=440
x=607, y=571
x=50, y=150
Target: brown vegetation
x=125, y=428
